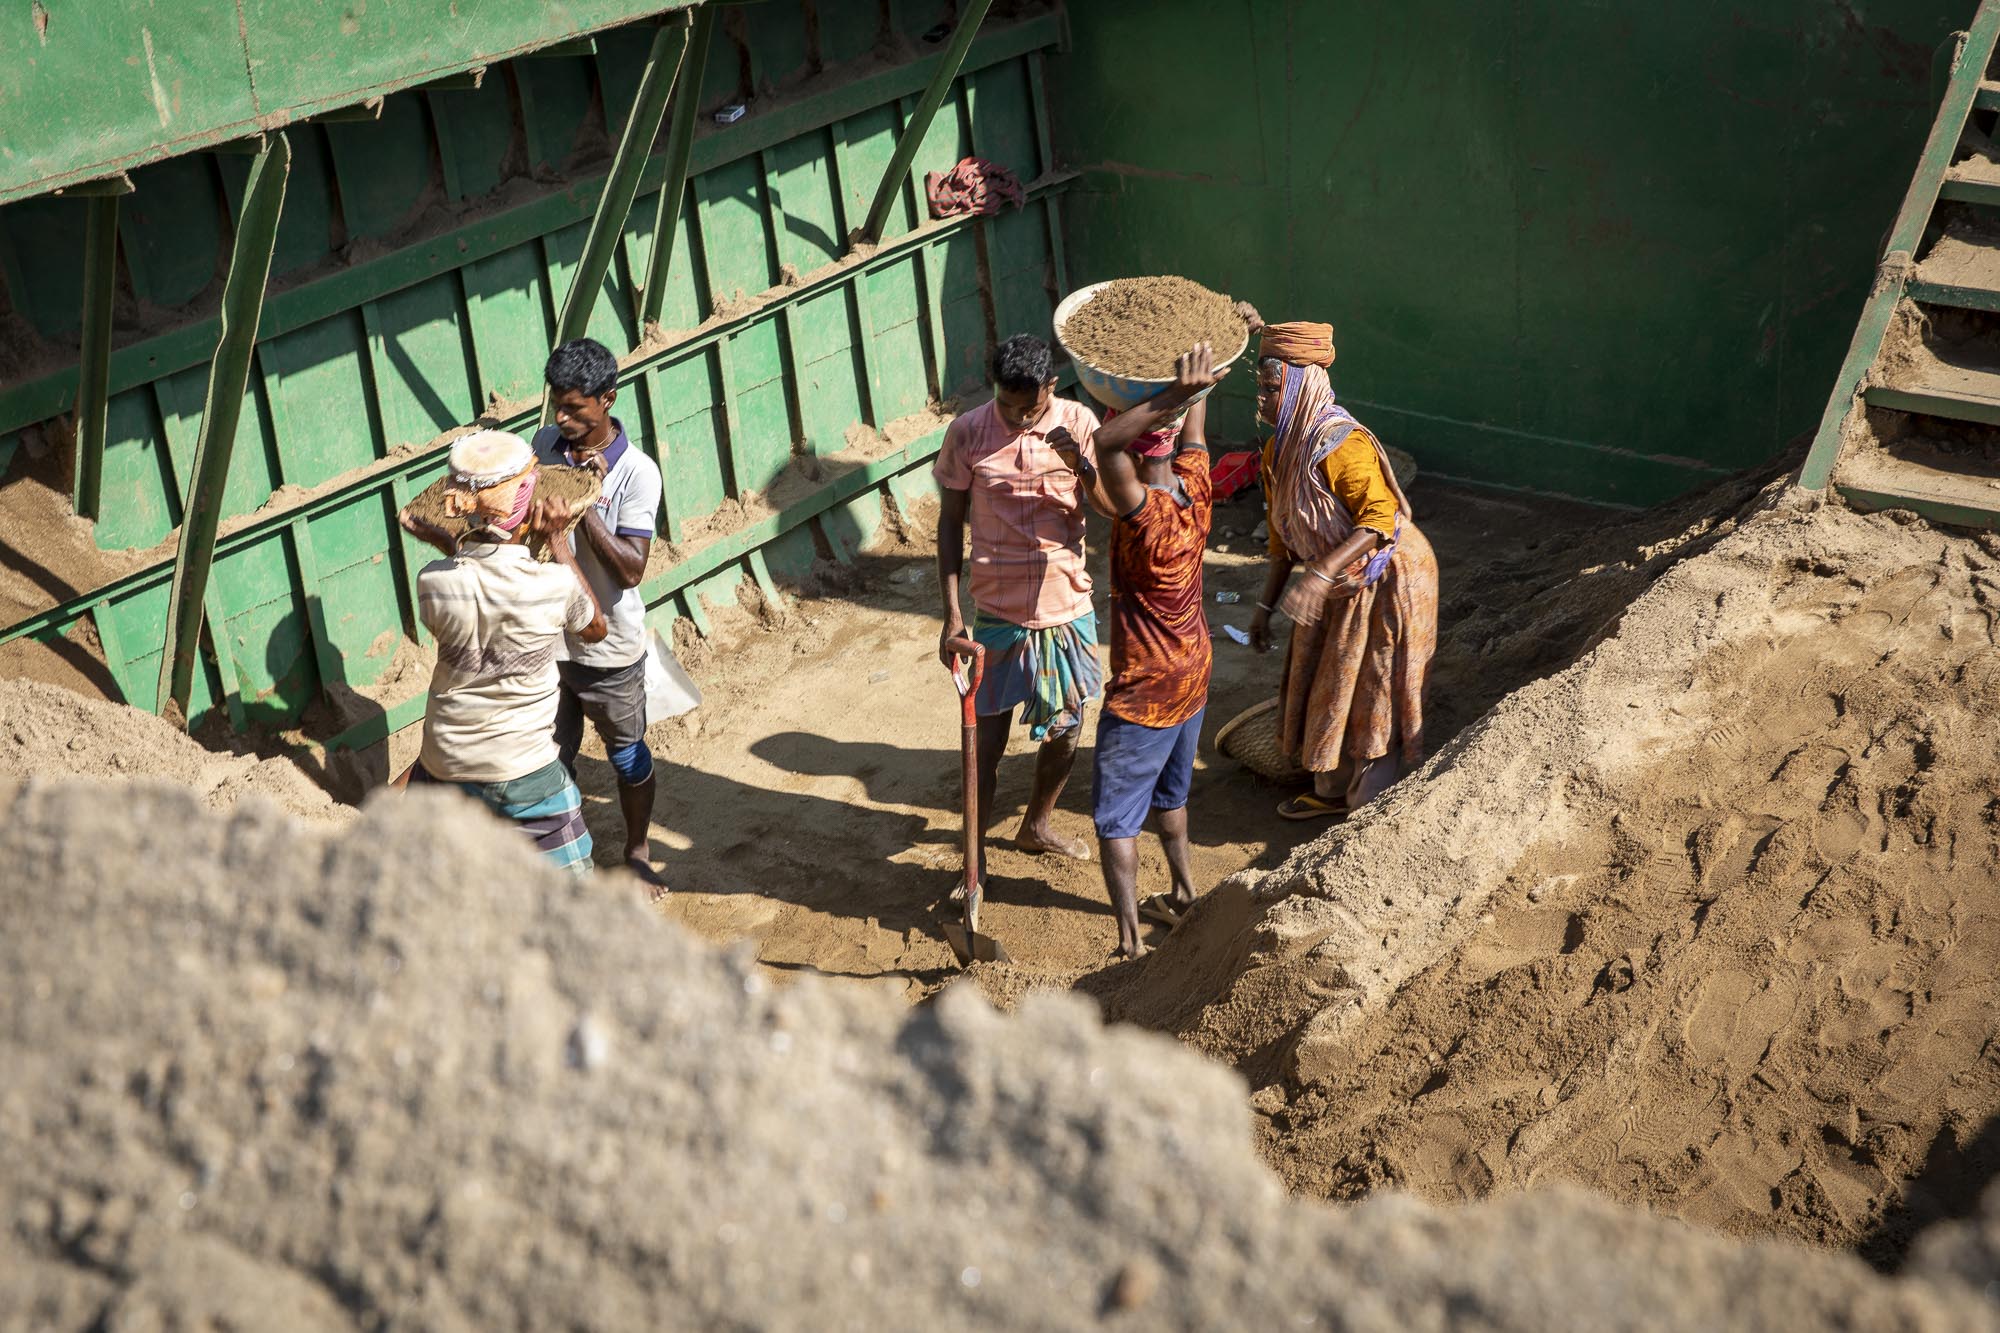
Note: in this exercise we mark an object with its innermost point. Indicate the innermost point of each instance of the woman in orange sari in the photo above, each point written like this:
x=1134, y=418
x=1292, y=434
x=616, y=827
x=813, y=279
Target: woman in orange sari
x=1364, y=607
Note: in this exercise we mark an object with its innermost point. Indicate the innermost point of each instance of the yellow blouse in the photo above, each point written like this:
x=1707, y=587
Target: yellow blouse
x=1354, y=474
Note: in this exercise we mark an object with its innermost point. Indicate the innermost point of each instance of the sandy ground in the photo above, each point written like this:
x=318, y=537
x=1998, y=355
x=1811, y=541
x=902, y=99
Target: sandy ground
x=1704, y=921
x=405, y=1076
x=810, y=807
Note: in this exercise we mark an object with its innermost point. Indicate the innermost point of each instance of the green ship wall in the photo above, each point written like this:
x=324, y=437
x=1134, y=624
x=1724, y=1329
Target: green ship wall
x=421, y=263
x=1598, y=250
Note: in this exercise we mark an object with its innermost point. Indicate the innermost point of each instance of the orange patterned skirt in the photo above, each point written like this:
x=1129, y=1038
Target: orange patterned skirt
x=1354, y=682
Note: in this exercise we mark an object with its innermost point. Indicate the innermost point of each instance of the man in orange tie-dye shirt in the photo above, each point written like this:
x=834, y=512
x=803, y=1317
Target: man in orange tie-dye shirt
x=1159, y=498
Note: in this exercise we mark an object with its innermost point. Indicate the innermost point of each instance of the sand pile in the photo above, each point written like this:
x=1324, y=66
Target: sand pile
x=49, y=732
x=407, y=1076
x=1705, y=921
x=1137, y=326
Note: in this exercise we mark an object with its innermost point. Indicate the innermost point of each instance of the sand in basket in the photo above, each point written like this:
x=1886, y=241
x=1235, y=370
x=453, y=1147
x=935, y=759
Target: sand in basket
x=577, y=487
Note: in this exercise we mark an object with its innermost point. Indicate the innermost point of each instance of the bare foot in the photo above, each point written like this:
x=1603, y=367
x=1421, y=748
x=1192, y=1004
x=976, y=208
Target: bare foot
x=1132, y=954
x=1049, y=842
x=637, y=863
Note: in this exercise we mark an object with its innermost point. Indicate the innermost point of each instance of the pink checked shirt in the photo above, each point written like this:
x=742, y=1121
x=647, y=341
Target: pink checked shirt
x=1025, y=511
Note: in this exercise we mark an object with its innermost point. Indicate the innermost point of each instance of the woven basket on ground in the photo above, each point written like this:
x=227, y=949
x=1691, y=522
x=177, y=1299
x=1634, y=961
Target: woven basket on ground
x=1251, y=739
x=578, y=487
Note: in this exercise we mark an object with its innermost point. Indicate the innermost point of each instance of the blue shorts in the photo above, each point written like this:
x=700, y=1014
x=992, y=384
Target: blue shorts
x=1139, y=770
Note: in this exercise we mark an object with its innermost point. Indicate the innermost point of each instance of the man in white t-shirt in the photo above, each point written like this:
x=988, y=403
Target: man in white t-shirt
x=606, y=681
x=500, y=618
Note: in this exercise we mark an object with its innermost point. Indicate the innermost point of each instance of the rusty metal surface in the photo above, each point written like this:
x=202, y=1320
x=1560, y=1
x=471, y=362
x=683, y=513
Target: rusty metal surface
x=91, y=87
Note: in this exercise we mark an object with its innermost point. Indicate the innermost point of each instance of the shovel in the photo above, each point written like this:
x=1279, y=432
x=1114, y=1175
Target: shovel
x=964, y=937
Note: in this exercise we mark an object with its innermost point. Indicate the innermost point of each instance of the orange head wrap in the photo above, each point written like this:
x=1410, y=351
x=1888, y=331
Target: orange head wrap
x=1300, y=343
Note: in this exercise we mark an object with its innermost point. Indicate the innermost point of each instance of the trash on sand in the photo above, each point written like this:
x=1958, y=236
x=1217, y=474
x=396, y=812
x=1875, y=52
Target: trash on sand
x=1228, y=598
x=1237, y=634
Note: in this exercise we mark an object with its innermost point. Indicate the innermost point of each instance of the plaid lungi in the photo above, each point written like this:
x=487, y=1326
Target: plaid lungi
x=1052, y=673
x=545, y=803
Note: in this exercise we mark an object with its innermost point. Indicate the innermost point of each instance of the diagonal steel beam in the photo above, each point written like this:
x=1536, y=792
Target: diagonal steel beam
x=621, y=186
x=93, y=389
x=228, y=376
x=920, y=119
x=680, y=152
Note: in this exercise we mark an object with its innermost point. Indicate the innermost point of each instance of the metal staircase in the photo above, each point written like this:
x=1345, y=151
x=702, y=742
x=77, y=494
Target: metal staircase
x=1914, y=419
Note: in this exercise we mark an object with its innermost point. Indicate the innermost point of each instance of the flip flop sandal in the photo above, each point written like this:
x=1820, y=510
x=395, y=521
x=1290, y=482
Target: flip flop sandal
x=1312, y=806
x=1160, y=907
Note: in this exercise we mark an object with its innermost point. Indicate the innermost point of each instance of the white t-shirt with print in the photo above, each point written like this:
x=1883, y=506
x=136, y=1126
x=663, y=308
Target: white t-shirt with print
x=630, y=507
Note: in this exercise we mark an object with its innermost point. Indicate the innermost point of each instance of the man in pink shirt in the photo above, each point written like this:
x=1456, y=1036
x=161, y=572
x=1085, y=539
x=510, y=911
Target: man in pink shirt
x=1002, y=472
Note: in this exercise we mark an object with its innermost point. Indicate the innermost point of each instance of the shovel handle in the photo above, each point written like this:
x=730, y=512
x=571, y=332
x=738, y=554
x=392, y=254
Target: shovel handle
x=968, y=685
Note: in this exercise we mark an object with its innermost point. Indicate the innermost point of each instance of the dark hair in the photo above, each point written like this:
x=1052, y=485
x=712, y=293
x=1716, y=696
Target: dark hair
x=1020, y=364
x=585, y=366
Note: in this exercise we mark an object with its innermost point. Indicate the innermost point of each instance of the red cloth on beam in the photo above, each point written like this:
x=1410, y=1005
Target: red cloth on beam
x=974, y=186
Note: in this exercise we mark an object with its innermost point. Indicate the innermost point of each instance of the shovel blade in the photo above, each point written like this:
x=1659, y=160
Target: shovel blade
x=971, y=946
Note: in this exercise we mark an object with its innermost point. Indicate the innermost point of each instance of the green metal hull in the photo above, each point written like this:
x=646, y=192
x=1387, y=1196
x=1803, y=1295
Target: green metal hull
x=373, y=343
x=1603, y=251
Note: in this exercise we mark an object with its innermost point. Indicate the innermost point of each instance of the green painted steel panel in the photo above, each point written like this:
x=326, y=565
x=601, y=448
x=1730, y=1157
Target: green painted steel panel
x=1641, y=232
x=949, y=138
x=734, y=230
x=722, y=71
x=621, y=61
x=848, y=30
x=803, y=196
x=418, y=356
x=866, y=143
x=851, y=525
x=611, y=318
x=792, y=555
x=761, y=432
x=357, y=589
x=305, y=232
x=824, y=339
x=253, y=462
x=319, y=54
x=41, y=254
x=171, y=230
x=319, y=401
x=383, y=166
x=139, y=621
x=687, y=299
x=166, y=79
x=1006, y=119
x=266, y=648
x=693, y=438
x=136, y=508
x=897, y=372
x=475, y=133
x=94, y=83
x=776, y=35
x=555, y=98
x=509, y=307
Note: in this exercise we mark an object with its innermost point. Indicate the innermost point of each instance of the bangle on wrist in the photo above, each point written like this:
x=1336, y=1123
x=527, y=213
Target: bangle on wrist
x=1323, y=578
x=1266, y=606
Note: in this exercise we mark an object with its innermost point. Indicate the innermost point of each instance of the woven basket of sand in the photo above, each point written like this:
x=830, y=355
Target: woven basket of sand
x=1251, y=739
x=577, y=487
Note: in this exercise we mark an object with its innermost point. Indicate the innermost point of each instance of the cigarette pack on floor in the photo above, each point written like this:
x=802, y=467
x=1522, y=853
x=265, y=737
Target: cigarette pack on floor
x=670, y=691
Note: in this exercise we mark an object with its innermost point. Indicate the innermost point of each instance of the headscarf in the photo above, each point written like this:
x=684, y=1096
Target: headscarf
x=1308, y=518
x=1154, y=443
x=492, y=479
x=1300, y=343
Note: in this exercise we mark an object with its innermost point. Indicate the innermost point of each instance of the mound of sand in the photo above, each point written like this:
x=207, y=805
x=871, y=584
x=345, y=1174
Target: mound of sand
x=405, y=1075
x=1705, y=921
x=50, y=732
